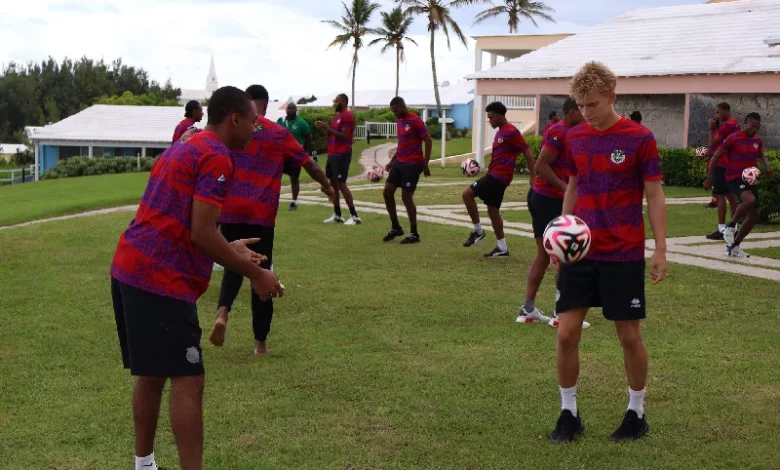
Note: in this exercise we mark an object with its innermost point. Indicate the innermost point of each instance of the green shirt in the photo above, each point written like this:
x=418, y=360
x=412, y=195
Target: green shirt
x=297, y=127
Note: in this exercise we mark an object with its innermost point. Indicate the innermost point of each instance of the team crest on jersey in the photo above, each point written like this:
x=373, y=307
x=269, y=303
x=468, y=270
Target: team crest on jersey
x=755, y=145
x=500, y=140
x=618, y=156
x=222, y=180
x=338, y=121
x=295, y=126
x=406, y=128
x=259, y=126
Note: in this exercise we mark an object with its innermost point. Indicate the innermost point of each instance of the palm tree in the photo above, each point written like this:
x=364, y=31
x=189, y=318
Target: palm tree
x=515, y=9
x=353, y=26
x=392, y=34
x=437, y=14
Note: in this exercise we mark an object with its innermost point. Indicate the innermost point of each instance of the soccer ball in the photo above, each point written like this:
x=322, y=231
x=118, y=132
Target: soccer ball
x=470, y=167
x=702, y=152
x=376, y=174
x=567, y=238
x=751, y=175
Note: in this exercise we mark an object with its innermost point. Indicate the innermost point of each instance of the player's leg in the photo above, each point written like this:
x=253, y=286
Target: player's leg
x=411, y=177
x=501, y=250
x=331, y=173
x=528, y=311
x=263, y=310
x=392, y=183
x=720, y=190
x=469, y=200
x=750, y=201
x=186, y=410
x=344, y=163
x=295, y=187
x=230, y=286
x=738, y=188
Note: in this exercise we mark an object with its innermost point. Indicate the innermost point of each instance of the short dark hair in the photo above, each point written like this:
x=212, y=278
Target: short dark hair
x=636, y=116
x=724, y=106
x=753, y=117
x=344, y=97
x=552, y=114
x=568, y=105
x=225, y=101
x=496, y=107
x=397, y=101
x=190, y=107
x=257, y=92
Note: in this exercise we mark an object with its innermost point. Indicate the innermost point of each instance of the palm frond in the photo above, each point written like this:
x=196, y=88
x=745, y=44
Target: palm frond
x=490, y=13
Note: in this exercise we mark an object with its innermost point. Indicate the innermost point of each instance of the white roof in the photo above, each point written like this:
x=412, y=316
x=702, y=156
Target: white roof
x=717, y=38
x=123, y=124
x=12, y=148
x=461, y=92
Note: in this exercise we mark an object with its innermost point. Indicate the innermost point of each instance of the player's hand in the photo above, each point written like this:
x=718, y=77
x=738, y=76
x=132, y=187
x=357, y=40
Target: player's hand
x=713, y=124
x=321, y=125
x=241, y=248
x=708, y=184
x=555, y=262
x=328, y=190
x=658, y=266
x=267, y=285
x=389, y=166
x=426, y=170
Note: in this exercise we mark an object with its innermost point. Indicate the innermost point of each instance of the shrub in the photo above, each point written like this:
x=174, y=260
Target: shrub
x=534, y=142
x=86, y=166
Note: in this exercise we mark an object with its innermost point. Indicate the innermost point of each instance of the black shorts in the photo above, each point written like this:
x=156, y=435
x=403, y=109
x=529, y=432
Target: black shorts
x=737, y=187
x=616, y=286
x=158, y=336
x=337, y=168
x=405, y=176
x=490, y=190
x=719, y=186
x=292, y=170
x=543, y=210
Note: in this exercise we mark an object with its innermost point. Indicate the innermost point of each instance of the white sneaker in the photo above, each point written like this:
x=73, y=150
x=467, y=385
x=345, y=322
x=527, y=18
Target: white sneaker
x=532, y=317
x=555, y=323
x=334, y=219
x=354, y=220
x=736, y=252
x=728, y=235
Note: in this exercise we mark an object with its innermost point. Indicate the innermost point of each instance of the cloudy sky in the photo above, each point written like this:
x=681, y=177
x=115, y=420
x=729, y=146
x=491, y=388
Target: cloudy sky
x=255, y=41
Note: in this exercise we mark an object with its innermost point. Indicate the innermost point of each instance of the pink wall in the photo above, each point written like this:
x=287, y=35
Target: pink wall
x=662, y=85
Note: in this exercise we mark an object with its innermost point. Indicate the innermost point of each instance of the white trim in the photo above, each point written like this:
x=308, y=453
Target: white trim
x=37, y=161
x=98, y=143
x=479, y=104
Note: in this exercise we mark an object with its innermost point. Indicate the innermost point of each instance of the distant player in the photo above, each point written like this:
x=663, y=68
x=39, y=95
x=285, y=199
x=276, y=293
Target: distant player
x=251, y=206
x=507, y=144
x=545, y=202
x=193, y=112
x=405, y=168
x=161, y=267
x=299, y=128
x=611, y=162
x=742, y=149
x=554, y=119
x=340, y=132
x=721, y=126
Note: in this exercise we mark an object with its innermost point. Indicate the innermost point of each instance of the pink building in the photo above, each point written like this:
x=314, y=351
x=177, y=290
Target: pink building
x=674, y=65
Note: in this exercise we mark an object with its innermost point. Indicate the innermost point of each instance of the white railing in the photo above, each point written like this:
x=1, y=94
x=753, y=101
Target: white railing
x=18, y=175
x=514, y=102
x=377, y=129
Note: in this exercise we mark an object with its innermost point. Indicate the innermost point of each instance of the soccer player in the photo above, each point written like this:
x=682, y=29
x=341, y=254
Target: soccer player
x=741, y=150
x=611, y=161
x=554, y=119
x=340, y=132
x=193, y=112
x=299, y=128
x=161, y=267
x=507, y=144
x=721, y=126
x=545, y=202
x=405, y=168
x=250, y=210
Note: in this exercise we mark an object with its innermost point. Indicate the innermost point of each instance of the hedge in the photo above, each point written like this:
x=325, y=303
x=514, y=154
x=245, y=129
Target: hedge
x=86, y=166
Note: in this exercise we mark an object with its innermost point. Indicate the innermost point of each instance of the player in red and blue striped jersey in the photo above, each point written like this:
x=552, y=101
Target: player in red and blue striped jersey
x=193, y=112
x=611, y=162
x=742, y=149
x=721, y=126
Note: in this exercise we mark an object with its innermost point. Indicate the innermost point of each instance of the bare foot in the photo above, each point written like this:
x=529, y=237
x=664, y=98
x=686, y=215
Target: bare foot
x=217, y=336
x=261, y=349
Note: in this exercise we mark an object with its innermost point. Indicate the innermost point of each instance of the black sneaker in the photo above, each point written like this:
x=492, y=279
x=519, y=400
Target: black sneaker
x=631, y=429
x=716, y=235
x=475, y=238
x=568, y=427
x=710, y=205
x=392, y=233
x=412, y=238
x=497, y=253
x=293, y=206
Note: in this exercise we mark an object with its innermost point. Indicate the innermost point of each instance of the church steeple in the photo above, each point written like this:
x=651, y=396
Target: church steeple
x=211, y=80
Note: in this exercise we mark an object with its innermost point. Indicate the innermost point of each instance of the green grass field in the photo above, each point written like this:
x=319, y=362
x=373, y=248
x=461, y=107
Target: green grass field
x=384, y=357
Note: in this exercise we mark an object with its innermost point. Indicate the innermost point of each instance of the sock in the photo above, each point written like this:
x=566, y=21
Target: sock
x=529, y=305
x=413, y=228
x=337, y=211
x=731, y=225
x=636, y=401
x=295, y=201
x=478, y=228
x=502, y=244
x=396, y=225
x=569, y=399
x=145, y=463
x=353, y=211
x=721, y=227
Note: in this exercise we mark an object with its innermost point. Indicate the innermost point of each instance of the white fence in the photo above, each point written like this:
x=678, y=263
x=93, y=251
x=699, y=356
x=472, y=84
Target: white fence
x=377, y=129
x=515, y=102
x=17, y=175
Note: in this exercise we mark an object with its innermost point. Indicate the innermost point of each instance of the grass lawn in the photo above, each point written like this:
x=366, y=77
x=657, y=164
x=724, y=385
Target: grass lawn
x=767, y=252
x=382, y=361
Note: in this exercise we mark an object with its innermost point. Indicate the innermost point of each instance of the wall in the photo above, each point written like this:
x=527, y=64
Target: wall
x=48, y=157
x=548, y=104
x=525, y=116
x=767, y=105
x=462, y=113
x=662, y=114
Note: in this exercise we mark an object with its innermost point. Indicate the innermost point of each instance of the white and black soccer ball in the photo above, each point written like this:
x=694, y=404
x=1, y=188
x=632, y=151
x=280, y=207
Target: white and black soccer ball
x=567, y=238
x=470, y=167
x=376, y=174
x=751, y=175
x=702, y=152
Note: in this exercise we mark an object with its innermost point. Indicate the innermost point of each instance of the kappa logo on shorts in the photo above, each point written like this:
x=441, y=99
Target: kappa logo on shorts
x=474, y=184
x=193, y=356
x=408, y=184
x=618, y=156
x=741, y=186
x=636, y=303
x=557, y=295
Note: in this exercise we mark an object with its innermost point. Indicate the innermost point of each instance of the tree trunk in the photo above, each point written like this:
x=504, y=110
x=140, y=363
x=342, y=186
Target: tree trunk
x=397, y=68
x=433, y=68
x=354, y=71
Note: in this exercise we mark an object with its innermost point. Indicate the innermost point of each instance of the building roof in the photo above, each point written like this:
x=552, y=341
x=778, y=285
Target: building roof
x=12, y=148
x=122, y=124
x=461, y=92
x=680, y=40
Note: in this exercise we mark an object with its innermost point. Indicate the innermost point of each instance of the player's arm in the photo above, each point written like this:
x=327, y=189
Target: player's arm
x=428, y=147
x=297, y=155
x=307, y=144
x=656, y=212
x=530, y=160
x=570, y=196
x=545, y=171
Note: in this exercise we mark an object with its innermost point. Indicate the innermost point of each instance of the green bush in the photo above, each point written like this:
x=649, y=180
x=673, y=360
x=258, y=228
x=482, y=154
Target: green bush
x=86, y=166
x=534, y=142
